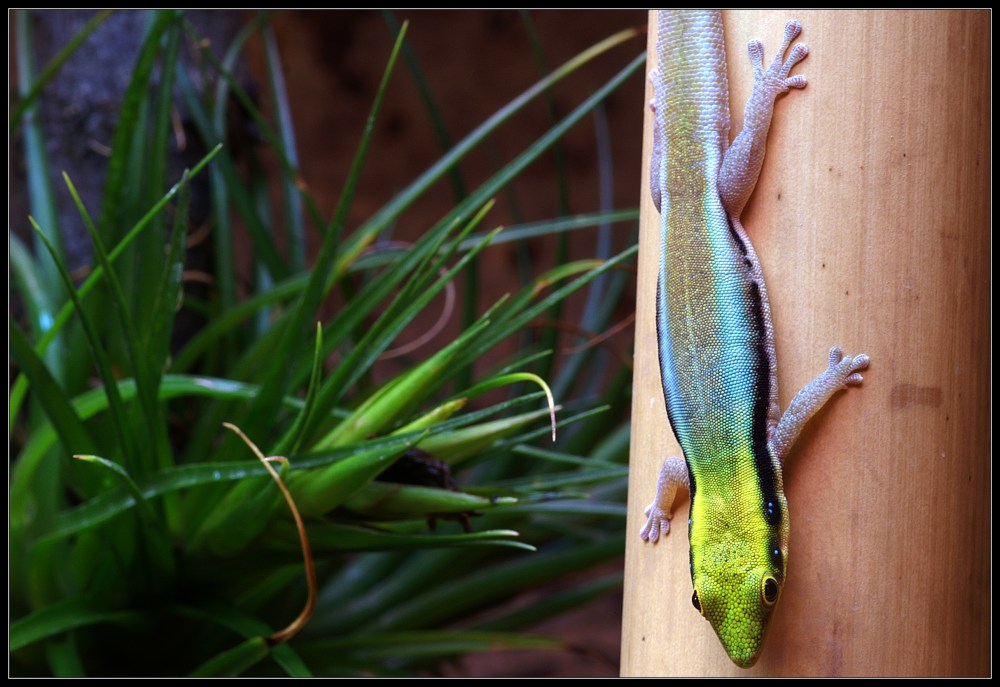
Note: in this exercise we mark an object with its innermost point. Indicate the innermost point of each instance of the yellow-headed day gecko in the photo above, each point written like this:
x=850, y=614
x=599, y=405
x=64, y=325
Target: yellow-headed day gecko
x=716, y=341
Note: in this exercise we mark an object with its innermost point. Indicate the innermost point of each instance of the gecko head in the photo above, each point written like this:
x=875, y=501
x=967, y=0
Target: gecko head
x=738, y=602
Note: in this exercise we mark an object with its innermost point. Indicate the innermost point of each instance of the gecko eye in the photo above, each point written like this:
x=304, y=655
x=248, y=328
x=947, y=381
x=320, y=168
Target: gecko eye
x=695, y=602
x=769, y=590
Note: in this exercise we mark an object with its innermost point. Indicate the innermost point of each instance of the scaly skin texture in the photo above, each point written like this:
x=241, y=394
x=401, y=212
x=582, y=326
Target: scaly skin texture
x=716, y=341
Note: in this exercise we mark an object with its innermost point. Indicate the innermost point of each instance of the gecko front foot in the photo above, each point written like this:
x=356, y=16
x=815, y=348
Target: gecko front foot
x=657, y=522
x=673, y=474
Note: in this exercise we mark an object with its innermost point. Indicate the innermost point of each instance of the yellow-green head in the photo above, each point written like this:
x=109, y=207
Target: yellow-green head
x=739, y=609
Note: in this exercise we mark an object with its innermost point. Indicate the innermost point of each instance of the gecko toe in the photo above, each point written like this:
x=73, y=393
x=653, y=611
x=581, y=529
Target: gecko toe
x=792, y=29
x=835, y=355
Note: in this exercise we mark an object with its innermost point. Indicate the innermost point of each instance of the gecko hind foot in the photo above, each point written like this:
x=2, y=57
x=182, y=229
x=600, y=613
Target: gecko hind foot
x=777, y=73
x=845, y=368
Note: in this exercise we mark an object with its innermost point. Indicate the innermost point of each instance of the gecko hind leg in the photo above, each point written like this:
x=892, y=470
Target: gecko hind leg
x=743, y=160
x=841, y=372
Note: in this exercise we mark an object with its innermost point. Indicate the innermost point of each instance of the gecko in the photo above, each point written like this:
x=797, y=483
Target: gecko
x=714, y=331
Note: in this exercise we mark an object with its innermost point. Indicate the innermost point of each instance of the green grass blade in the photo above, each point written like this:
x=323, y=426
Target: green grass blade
x=103, y=508
x=265, y=248
x=249, y=627
x=549, y=483
x=31, y=466
x=67, y=424
x=433, y=112
x=582, y=370
x=457, y=597
x=111, y=217
x=320, y=491
x=239, y=196
x=496, y=461
x=470, y=290
x=64, y=658
x=548, y=227
x=514, y=378
x=154, y=538
x=70, y=614
x=29, y=96
x=168, y=291
x=40, y=192
x=364, y=302
x=219, y=178
x=390, y=501
x=294, y=437
x=36, y=487
x=562, y=176
x=232, y=85
x=150, y=257
x=563, y=457
x=118, y=413
x=458, y=445
x=42, y=201
x=35, y=295
x=337, y=537
x=142, y=367
x=122, y=475
x=294, y=225
x=553, y=604
x=362, y=650
x=236, y=661
x=341, y=328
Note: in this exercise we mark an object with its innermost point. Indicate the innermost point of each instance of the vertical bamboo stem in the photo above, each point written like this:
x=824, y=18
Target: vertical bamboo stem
x=872, y=222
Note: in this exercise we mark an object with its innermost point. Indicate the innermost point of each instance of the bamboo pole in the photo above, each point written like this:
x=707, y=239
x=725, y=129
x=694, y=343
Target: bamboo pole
x=872, y=222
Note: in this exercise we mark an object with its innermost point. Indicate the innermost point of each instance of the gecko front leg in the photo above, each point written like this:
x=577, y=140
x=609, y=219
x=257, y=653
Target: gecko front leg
x=673, y=474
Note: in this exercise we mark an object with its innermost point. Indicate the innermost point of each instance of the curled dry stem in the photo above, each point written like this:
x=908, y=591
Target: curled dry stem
x=293, y=628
